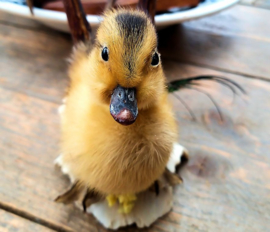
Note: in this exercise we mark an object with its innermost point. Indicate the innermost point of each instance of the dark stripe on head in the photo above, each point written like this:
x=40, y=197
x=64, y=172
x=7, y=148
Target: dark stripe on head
x=132, y=27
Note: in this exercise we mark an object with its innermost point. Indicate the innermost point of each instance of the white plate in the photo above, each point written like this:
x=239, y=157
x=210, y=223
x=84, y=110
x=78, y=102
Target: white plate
x=58, y=20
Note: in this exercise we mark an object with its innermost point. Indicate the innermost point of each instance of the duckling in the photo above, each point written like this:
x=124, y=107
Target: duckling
x=118, y=127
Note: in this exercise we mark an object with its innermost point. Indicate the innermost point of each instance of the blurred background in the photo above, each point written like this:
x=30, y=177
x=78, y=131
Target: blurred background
x=227, y=179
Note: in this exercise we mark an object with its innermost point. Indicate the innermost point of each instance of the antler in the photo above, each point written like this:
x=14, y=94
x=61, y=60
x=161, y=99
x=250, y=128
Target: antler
x=149, y=7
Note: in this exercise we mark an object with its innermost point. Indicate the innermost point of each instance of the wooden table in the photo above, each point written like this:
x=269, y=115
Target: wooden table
x=227, y=180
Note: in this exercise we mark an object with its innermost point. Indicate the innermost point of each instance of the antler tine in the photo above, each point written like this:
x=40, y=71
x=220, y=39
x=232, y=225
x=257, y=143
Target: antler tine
x=149, y=7
x=79, y=27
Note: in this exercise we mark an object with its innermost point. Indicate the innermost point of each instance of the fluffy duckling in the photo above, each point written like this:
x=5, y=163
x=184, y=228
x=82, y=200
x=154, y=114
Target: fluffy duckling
x=118, y=127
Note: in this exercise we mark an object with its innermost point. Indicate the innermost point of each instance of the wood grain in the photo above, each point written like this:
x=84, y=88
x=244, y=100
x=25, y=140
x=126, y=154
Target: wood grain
x=29, y=139
x=226, y=182
x=12, y=223
x=236, y=40
x=26, y=61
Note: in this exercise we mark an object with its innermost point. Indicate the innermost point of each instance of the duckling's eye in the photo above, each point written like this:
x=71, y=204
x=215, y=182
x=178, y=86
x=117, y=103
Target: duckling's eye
x=105, y=54
x=155, y=59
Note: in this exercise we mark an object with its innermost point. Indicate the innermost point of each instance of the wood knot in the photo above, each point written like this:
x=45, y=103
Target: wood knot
x=208, y=166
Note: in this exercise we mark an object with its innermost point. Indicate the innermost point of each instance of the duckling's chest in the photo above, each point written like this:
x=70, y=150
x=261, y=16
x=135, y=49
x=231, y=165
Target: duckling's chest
x=133, y=163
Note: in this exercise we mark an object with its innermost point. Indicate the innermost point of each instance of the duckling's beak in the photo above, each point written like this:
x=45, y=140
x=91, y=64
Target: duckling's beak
x=123, y=105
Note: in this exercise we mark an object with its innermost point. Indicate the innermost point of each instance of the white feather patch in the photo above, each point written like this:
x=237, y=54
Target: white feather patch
x=174, y=160
x=64, y=168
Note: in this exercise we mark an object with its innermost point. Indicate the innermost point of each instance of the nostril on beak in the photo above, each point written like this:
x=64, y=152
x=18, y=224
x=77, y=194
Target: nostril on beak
x=131, y=97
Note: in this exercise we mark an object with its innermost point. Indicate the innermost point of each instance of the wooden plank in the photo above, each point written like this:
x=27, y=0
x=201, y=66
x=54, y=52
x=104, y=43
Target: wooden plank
x=236, y=40
x=12, y=223
x=31, y=61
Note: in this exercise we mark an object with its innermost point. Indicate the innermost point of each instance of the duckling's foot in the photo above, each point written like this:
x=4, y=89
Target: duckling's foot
x=111, y=200
x=125, y=202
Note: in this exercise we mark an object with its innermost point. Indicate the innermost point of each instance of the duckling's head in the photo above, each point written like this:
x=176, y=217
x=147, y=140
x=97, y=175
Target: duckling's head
x=128, y=68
